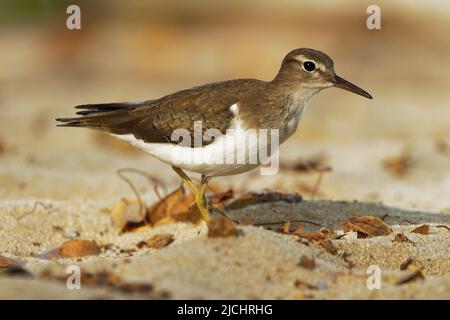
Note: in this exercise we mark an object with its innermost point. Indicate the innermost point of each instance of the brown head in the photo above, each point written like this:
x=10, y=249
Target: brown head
x=312, y=69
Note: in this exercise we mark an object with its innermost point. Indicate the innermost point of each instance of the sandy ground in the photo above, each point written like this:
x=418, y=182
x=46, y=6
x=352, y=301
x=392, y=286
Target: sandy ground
x=257, y=264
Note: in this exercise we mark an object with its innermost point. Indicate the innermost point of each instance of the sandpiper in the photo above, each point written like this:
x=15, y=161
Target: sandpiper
x=230, y=109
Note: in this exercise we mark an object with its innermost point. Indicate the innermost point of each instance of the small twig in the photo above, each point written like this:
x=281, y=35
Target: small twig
x=131, y=185
x=316, y=186
x=443, y=226
x=157, y=182
x=36, y=204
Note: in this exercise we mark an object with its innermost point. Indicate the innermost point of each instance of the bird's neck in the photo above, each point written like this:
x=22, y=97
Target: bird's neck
x=293, y=100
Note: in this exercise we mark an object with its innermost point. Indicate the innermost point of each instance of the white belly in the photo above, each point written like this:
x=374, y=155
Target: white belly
x=227, y=155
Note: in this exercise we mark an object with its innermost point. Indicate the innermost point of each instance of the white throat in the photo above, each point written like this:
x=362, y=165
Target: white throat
x=295, y=105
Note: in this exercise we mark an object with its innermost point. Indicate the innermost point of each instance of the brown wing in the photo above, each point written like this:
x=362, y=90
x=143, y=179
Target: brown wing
x=155, y=120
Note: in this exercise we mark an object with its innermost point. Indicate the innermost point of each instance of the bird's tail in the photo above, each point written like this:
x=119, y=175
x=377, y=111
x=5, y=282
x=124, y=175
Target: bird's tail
x=110, y=117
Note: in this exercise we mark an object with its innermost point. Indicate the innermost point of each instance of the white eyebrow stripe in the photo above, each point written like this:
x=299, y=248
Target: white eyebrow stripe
x=301, y=58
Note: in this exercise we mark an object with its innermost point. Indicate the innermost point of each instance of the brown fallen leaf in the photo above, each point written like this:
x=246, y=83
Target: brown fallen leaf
x=125, y=215
x=401, y=237
x=328, y=246
x=322, y=238
x=423, y=229
x=6, y=262
x=307, y=263
x=77, y=248
x=2, y=147
x=222, y=227
x=300, y=284
x=442, y=146
x=287, y=227
x=173, y=207
x=315, y=162
x=399, y=165
x=219, y=199
x=252, y=198
x=158, y=241
x=367, y=226
x=409, y=276
x=312, y=236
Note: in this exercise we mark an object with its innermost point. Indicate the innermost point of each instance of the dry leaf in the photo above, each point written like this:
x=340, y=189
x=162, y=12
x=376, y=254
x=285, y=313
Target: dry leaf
x=367, y=226
x=299, y=231
x=158, y=241
x=398, y=165
x=253, y=198
x=222, y=227
x=307, y=263
x=312, y=236
x=423, y=229
x=125, y=215
x=401, y=237
x=314, y=163
x=410, y=276
x=6, y=262
x=174, y=206
x=287, y=227
x=300, y=284
x=220, y=198
x=77, y=248
x=328, y=245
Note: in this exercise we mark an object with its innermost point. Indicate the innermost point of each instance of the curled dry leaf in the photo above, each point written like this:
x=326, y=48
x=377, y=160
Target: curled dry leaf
x=222, y=227
x=401, y=237
x=173, y=207
x=367, y=226
x=423, y=229
x=158, y=241
x=307, y=263
x=125, y=215
x=252, y=198
x=77, y=248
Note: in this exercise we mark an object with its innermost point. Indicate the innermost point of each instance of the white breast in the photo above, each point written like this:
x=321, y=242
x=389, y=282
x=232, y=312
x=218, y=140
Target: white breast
x=296, y=105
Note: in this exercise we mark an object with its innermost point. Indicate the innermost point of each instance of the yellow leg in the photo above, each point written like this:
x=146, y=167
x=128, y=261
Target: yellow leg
x=198, y=193
x=201, y=200
x=186, y=179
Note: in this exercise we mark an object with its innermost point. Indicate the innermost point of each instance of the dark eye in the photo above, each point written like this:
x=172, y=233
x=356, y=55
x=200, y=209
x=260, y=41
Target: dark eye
x=309, y=66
